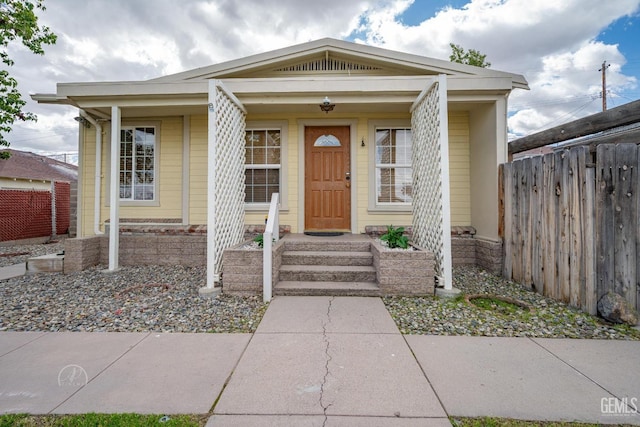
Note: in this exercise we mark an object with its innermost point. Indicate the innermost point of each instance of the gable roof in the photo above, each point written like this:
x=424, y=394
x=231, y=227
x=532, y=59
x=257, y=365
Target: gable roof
x=25, y=165
x=304, y=70
x=335, y=55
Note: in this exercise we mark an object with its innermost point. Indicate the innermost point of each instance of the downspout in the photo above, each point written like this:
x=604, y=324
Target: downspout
x=98, y=177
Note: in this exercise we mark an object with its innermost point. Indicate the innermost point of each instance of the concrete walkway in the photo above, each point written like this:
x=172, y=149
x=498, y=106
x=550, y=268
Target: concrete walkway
x=12, y=271
x=318, y=361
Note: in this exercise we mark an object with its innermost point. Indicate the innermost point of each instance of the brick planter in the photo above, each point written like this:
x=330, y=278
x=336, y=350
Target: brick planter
x=242, y=269
x=404, y=272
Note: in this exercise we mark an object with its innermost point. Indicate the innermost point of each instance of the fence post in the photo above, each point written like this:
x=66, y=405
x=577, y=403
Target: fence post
x=54, y=232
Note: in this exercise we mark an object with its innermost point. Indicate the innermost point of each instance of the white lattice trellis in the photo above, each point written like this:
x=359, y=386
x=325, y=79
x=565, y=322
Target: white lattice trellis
x=225, y=204
x=431, y=200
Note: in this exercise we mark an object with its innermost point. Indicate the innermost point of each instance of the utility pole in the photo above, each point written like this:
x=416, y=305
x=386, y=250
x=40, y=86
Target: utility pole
x=604, y=84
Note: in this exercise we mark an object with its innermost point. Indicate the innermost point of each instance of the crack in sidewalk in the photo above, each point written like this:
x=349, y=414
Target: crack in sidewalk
x=328, y=358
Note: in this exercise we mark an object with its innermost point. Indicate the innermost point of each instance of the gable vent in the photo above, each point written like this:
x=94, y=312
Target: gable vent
x=328, y=65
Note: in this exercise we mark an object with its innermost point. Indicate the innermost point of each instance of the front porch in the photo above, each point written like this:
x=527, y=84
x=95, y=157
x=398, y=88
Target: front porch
x=346, y=265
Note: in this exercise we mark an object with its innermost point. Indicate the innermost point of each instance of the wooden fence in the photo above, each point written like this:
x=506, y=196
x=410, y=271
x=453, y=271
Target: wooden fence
x=571, y=226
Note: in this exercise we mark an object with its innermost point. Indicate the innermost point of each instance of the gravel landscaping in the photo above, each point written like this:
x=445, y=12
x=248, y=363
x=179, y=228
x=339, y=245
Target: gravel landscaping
x=133, y=299
x=547, y=319
x=160, y=298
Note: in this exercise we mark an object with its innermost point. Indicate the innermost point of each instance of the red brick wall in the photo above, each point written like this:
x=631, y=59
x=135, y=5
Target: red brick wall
x=26, y=214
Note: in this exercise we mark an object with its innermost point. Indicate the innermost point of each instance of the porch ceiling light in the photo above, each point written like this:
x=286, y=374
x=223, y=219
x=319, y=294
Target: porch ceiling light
x=326, y=105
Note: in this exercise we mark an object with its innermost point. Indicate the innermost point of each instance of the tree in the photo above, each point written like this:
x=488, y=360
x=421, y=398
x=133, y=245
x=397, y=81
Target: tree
x=18, y=22
x=470, y=57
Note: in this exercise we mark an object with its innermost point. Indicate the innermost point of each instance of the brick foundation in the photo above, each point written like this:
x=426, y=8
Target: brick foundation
x=160, y=243
x=81, y=253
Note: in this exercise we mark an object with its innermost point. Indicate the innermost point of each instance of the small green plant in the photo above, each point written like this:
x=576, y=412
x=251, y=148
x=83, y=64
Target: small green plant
x=395, y=237
x=259, y=239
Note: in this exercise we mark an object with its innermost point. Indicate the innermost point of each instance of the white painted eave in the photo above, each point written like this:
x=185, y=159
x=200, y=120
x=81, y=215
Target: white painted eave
x=150, y=93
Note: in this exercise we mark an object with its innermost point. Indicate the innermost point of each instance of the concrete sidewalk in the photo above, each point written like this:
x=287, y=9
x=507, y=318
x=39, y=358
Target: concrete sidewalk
x=321, y=361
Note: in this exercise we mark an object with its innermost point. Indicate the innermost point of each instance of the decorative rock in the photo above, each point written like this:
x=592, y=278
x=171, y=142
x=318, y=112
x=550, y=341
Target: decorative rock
x=616, y=309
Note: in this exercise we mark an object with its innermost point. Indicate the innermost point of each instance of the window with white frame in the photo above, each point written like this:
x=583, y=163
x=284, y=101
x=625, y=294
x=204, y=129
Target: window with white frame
x=393, y=182
x=137, y=163
x=262, y=164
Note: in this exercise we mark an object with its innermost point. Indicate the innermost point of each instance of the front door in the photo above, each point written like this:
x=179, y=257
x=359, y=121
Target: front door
x=327, y=187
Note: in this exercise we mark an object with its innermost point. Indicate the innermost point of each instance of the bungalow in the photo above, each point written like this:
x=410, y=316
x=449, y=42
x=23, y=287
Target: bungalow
x=352, y=138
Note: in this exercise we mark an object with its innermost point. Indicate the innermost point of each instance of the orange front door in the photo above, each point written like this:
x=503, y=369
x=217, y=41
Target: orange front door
x=327, y=178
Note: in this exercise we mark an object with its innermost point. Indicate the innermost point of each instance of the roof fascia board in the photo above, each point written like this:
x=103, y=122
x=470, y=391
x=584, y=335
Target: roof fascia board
x=89, y=95
x=363, y=84
x=66, y=90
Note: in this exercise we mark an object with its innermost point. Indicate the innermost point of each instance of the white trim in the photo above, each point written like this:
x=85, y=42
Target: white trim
x=114, y=195
x=177, y=93
x=422, y=94
x=283, y=127
x=186, y=177
x=80, y=181
x=353, y=128
x=446, y=187
x=230, y=94
x=97, y=185
x=212, y=276
x=373, y=206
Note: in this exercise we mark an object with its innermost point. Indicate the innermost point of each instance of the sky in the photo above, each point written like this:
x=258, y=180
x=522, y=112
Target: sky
x=558, y=45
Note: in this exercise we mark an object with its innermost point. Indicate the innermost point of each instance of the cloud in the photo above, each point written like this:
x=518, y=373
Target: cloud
x=554, y=44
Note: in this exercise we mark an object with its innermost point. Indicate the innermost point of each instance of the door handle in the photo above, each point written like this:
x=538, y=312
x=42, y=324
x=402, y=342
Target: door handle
x=347, y=176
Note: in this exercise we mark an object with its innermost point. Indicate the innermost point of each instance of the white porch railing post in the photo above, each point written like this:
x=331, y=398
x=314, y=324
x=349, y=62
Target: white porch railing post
x=273, y=226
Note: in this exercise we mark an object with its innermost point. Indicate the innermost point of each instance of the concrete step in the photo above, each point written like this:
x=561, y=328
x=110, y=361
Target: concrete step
x=327, y=245
x=327, y=273
x=326, y=258
x=51, y=263
x=294, y=288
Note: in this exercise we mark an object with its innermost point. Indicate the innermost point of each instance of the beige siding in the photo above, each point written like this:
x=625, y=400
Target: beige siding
x=198, y=171
x=87, y=176
x=459, y=163
x=289, y=215
x=170, y=173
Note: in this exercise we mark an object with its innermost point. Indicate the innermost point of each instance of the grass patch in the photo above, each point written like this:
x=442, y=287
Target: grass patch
x=506, y=422
x=100, y=420
x=496, y=304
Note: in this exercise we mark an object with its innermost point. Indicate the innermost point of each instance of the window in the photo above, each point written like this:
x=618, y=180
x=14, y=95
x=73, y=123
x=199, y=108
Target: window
x=262, y=164
x=393, y=166
x=137, y=163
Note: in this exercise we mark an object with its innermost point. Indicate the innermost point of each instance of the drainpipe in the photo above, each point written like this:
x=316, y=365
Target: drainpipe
x=98, y=177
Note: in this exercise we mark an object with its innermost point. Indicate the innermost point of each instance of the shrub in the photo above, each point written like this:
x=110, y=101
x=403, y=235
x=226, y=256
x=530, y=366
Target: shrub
x=395, y=237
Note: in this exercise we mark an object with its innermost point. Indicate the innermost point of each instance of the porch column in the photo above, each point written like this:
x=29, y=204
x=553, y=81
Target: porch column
x=114, y=195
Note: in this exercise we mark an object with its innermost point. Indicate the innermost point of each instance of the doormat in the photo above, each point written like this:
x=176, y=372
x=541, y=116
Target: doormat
x=323, y=233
